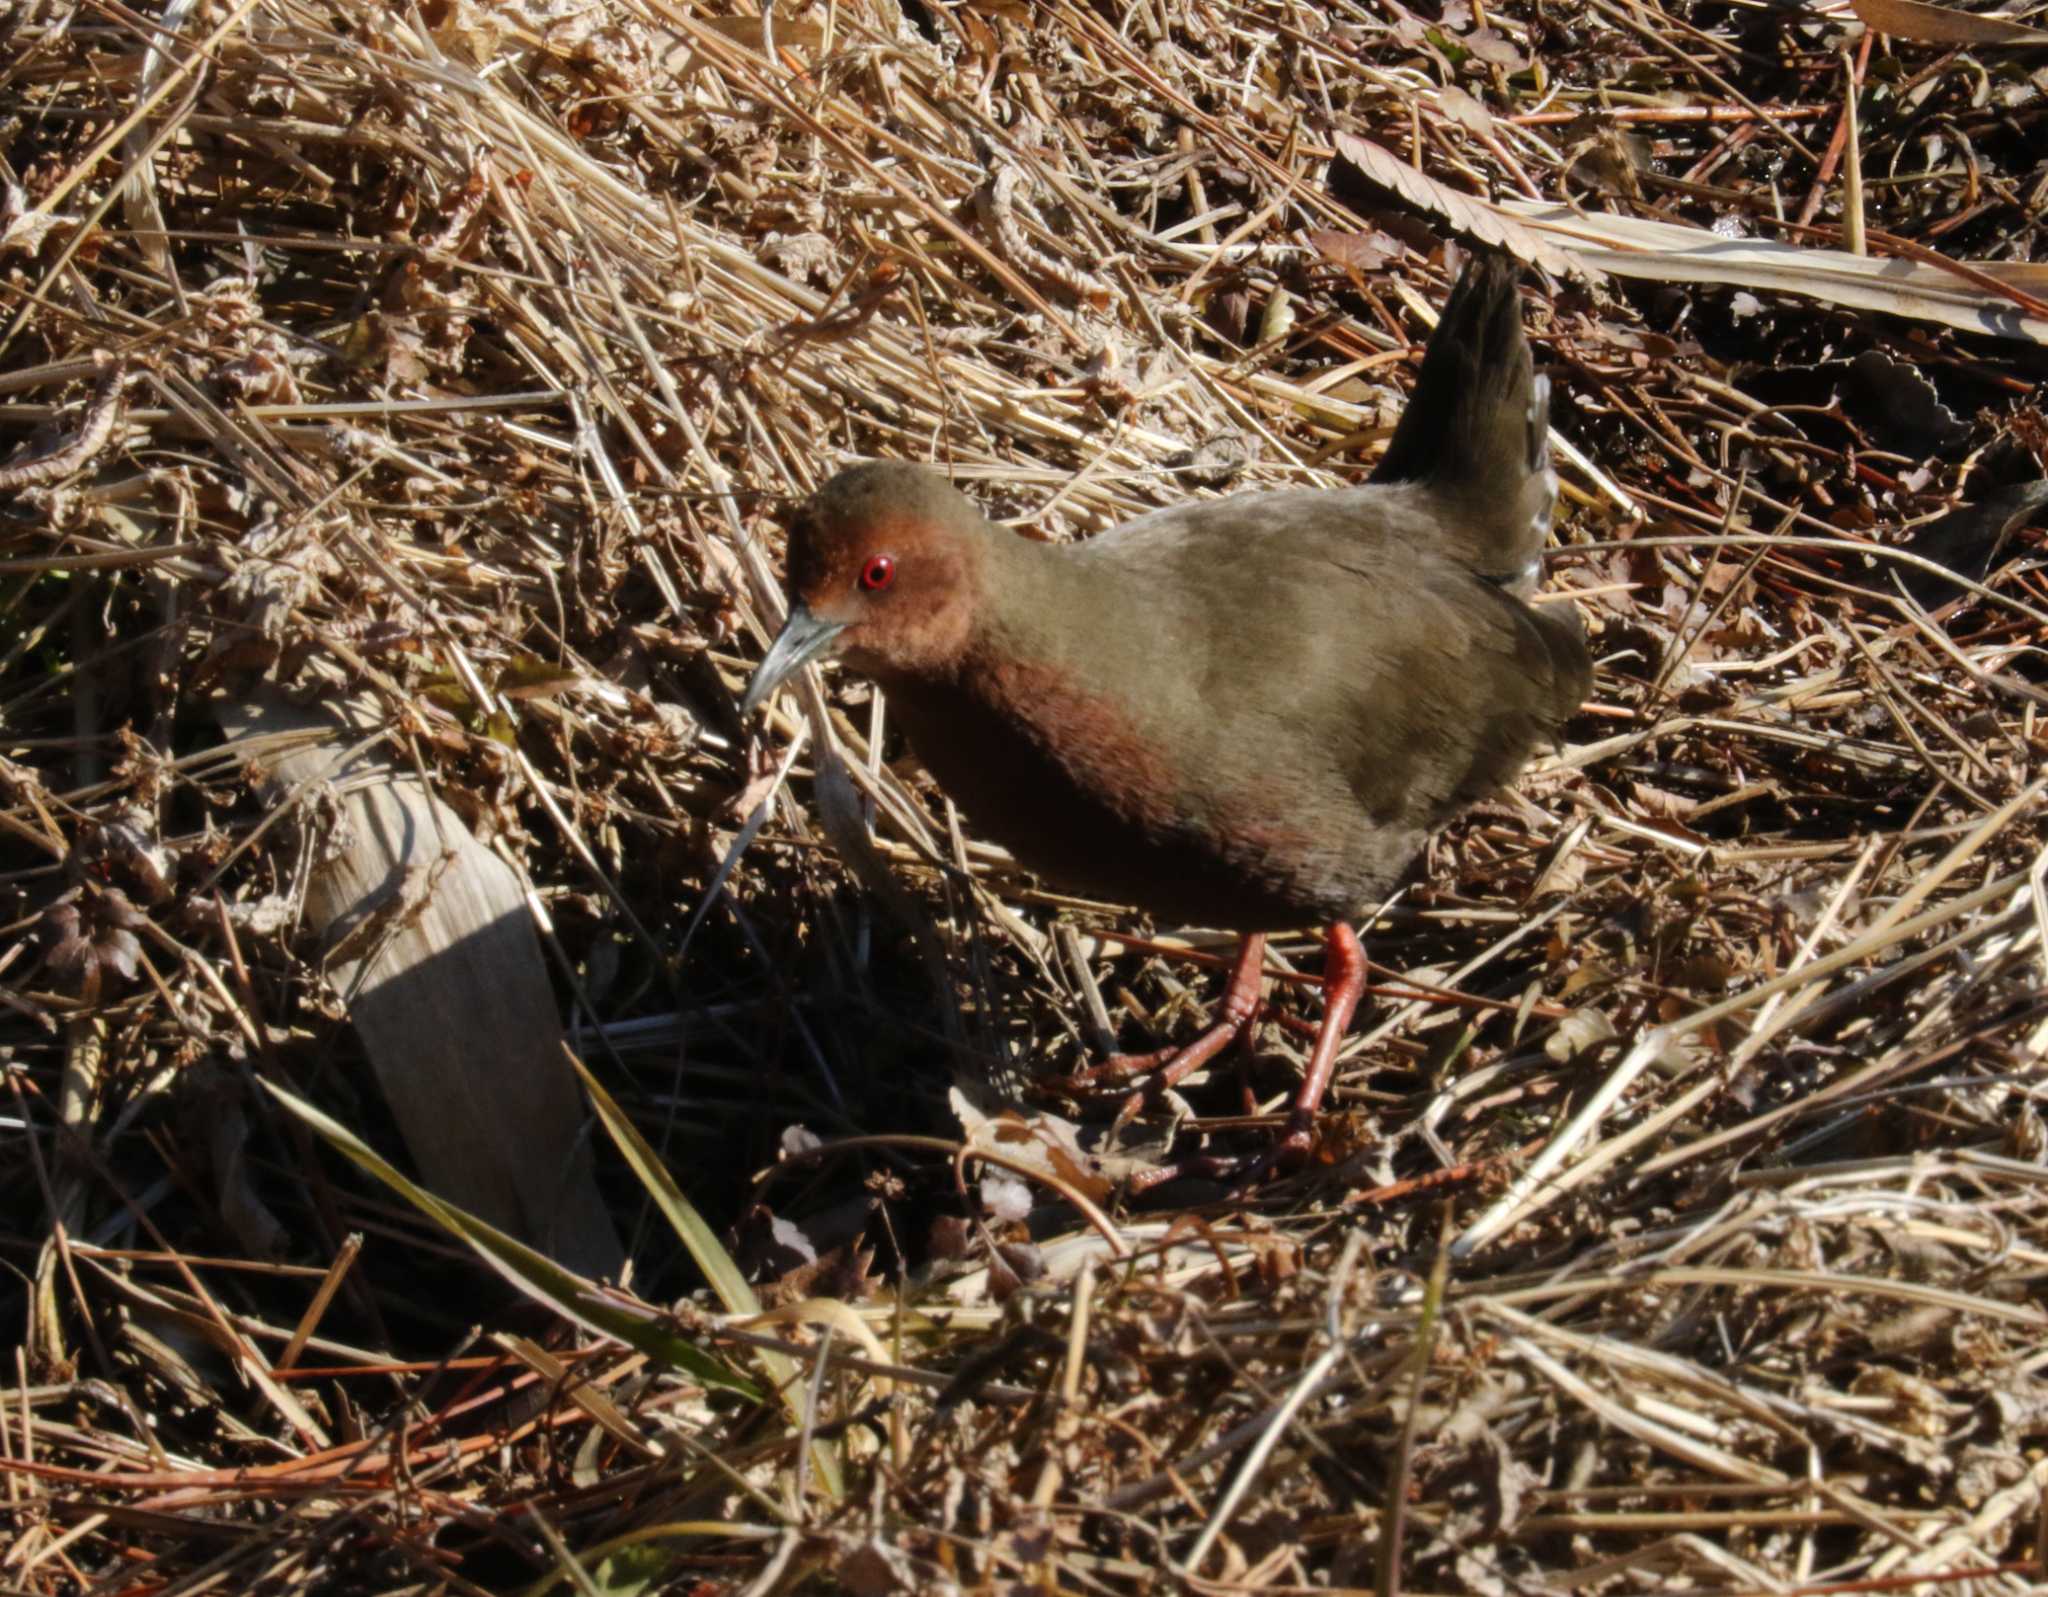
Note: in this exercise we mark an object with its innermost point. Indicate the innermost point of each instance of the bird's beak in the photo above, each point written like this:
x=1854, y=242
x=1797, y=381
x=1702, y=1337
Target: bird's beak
x=802, y=639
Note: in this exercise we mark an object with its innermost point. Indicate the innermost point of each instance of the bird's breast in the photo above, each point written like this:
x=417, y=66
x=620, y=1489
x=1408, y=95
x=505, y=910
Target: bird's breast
x=1072, y=781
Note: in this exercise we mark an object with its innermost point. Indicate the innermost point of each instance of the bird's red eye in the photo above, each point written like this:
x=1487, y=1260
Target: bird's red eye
x=878, y=573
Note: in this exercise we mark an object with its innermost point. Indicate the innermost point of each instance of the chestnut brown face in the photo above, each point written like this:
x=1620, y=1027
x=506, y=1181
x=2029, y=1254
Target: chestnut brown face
x=884, y=573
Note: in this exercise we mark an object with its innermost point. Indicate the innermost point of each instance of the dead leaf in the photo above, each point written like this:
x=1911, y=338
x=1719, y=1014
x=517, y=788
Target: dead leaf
x=1970, y=539
x=1464, y=110
x=1496, y=49
x=1907, y=409
x=1579, y=1032
x=1669, y=252
x=1475, y=218
x=1365, y=251
x=1213, y=463
x=1931, y=24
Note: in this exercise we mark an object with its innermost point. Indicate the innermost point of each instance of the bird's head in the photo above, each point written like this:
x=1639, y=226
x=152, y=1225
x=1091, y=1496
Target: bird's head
x=885, y=570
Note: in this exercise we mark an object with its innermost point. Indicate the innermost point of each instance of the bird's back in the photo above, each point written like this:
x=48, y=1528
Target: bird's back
x=1288, y=706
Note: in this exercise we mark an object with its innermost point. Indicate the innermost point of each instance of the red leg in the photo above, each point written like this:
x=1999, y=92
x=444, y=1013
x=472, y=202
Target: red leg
x=1343, y=986
x=1344, y=973
x=1169, y=1066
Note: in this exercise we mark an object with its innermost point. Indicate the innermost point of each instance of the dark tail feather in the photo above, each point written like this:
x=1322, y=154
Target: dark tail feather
x=1478, y=427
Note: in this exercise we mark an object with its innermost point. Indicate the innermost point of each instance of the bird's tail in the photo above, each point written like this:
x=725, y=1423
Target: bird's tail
x=1477, y=429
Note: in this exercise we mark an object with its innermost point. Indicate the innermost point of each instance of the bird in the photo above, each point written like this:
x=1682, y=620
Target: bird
x=1246, y=713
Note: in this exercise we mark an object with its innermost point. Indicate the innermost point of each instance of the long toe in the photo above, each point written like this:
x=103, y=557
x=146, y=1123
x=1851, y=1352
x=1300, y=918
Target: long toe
x=1159, y=1071
x=1287, y=1152
x=1114, y=1073
x=1168, y=1067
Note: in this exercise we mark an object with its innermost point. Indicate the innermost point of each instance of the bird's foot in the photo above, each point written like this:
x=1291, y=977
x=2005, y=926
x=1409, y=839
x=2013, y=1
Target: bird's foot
x=1344, y=972
x=1168, y=1067
x=1242, y=1172
x=1289, y=1152
x=1156, y=1072
x=1119, y=1070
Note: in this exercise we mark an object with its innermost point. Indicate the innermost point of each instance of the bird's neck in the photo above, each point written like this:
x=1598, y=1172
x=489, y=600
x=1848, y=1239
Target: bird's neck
x=1040, y=698
x=1048, y=649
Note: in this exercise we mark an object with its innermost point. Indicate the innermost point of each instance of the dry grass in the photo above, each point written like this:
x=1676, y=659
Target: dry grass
x=1682, y=1216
